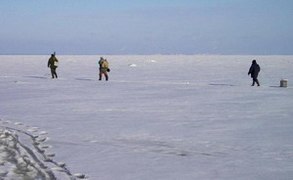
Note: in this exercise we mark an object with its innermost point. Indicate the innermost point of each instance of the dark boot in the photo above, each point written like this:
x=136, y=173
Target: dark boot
x=257, y=82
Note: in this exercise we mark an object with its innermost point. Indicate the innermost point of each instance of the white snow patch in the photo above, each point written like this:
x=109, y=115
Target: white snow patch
x=178, y=117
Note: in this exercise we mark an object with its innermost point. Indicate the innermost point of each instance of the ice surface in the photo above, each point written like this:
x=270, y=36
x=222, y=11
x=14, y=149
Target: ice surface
x=158, y=117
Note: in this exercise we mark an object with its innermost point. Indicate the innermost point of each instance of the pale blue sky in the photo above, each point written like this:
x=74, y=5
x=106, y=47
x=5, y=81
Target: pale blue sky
x=146, y=26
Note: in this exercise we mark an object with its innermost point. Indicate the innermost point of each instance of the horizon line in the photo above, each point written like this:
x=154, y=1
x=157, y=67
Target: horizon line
x=178, y=54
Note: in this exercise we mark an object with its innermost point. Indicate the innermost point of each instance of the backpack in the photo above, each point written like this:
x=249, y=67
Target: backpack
x=56, y=63
x=104, y=64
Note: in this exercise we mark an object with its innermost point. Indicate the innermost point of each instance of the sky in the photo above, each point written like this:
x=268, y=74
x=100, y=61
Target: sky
x=236, y=27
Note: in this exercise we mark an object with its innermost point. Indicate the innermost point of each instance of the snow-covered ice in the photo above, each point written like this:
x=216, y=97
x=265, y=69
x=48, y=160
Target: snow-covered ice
x=158, y=117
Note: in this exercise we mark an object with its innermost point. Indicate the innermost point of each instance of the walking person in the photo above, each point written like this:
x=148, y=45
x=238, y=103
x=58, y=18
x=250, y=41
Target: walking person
x=53, y=64
x=104, y=68
x=253, y=71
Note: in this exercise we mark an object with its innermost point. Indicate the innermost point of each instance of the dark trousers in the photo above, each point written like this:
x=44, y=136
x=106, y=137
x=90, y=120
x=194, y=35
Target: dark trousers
x=103, y=71
x=105, y=74
x=255, y=80
x=53, y=73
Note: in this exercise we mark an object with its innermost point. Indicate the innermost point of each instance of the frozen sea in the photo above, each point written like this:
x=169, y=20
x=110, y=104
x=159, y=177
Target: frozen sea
x=157, y=118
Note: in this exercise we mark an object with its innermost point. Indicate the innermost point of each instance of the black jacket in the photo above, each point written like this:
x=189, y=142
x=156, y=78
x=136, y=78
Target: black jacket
x=52, y=63
x=254, y=70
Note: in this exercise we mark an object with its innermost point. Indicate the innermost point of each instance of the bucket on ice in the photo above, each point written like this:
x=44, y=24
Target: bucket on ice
x=283, y=83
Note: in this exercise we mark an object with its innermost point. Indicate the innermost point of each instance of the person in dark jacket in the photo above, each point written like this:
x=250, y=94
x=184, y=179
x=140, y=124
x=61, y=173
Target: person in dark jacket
x=253, y=71
x=53, y=64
